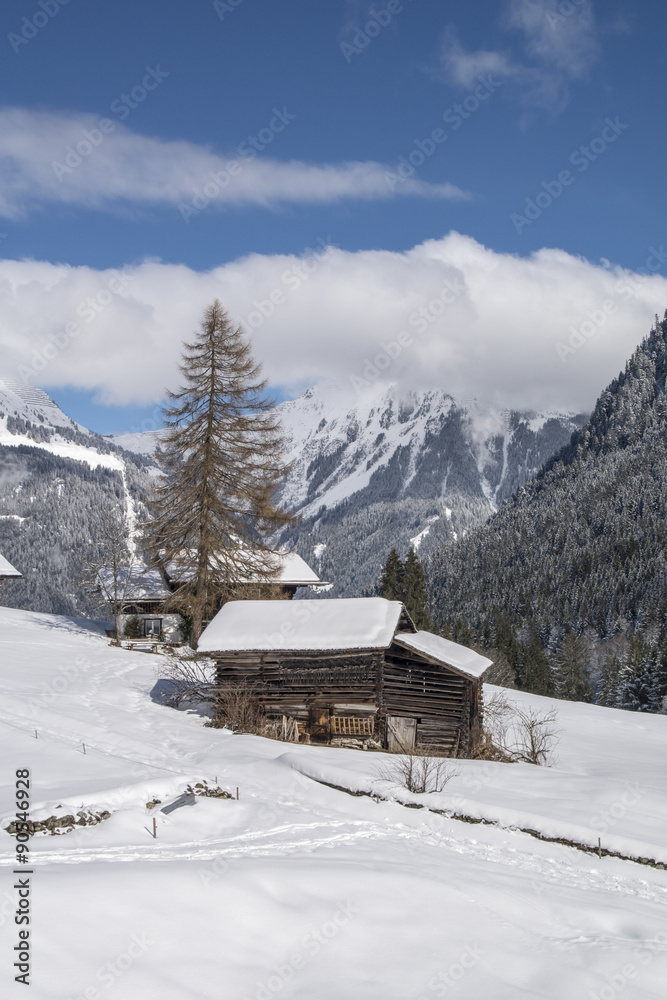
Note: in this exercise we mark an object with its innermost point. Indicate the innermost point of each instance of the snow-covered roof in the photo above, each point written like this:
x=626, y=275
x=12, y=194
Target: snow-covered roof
x=339, y=623
x=6, y=568
x=294, y=570
x=451, y=654
x=145, y=584
x=289, y=569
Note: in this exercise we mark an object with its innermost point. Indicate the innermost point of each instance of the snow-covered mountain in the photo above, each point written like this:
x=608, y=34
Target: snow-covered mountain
x=384, y=467
x=56, y=480
x=30, y=418
x=369, y=470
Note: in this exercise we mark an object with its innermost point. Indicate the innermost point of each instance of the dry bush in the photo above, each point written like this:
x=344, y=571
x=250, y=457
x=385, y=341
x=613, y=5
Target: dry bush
x=238, y=707
x=419, y=771
x=191, y=679
x=513, y=733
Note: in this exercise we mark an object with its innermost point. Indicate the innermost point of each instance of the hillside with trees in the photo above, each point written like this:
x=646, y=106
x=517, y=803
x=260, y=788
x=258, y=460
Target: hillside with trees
x=569, y=577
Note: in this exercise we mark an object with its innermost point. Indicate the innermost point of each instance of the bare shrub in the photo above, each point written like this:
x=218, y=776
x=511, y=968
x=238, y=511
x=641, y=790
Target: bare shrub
x=419, y=771
x=519, y=734
x=190, y=678
x=239, y=708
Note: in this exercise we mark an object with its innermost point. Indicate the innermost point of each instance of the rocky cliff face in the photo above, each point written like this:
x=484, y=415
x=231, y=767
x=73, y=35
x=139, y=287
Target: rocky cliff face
x=385, y=468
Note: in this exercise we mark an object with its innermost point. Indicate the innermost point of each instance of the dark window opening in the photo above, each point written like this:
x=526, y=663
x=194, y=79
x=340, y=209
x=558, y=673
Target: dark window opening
x=152, y=628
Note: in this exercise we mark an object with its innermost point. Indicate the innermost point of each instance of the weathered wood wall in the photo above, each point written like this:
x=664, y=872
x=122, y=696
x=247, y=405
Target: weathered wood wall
x=314, y=687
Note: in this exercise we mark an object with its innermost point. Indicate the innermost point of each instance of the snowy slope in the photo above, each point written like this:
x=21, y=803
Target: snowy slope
x=31, y=403
x=139, y=442
x=302, y=891
x=24, y=402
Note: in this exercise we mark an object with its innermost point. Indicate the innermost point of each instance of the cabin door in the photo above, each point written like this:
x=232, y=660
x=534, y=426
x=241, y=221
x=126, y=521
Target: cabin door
x=400, y=734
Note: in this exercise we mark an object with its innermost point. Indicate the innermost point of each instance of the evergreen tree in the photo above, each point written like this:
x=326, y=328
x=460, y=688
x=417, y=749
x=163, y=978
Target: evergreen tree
x=571, y=676
x=642, y=683
x=222, y=459
x=610, y=674
x=133, y=627
x=416, y=597
x=532, y=669
x=392, y=581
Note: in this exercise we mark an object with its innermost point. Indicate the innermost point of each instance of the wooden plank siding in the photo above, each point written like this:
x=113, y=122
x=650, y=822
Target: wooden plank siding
x=314, y=686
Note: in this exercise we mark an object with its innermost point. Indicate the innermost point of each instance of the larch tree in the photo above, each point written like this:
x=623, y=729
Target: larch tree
x=213, y=514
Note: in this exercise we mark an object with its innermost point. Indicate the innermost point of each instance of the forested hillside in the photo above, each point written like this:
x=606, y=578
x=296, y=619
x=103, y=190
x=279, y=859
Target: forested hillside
x=579, y=550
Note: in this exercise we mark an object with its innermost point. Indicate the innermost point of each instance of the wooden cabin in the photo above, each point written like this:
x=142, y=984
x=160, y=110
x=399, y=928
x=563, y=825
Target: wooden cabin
x=350, y=671
x=149, y=593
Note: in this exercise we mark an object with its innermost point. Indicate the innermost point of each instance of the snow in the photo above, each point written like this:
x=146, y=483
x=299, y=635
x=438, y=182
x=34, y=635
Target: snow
x=6, y=568
x=145, y=583
x=298, y=890
x=30, y=403
x=419, y=538
x=139, y=442
x=287, y=567
x=62, y=448
x=463, y=660
x=319, y=423
x=347, y=623
x=294, y=569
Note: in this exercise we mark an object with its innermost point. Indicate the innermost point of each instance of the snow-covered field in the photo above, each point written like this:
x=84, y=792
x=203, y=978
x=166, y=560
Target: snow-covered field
x=299, y=890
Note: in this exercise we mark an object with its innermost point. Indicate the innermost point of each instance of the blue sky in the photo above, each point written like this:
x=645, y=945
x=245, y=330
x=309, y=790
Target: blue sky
x=573, y=86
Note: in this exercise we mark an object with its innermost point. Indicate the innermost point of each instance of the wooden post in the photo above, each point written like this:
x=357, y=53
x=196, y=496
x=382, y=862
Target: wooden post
x=84, y=747
x=599, y=848
x=155, y=827
x=237, y=791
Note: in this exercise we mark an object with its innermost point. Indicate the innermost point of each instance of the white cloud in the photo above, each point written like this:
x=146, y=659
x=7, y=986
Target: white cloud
x=474, y=322
x=564, y=41
x=49, y=157
x=465, y=67
x=560, y=48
